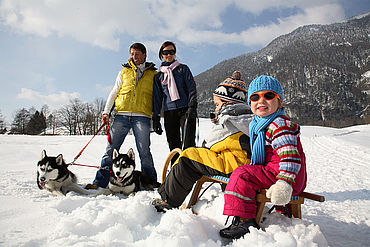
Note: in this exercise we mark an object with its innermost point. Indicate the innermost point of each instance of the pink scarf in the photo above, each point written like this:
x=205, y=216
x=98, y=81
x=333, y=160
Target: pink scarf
x=170, y=80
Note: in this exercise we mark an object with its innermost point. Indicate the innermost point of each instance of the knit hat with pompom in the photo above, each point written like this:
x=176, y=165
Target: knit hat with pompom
x=231, y=91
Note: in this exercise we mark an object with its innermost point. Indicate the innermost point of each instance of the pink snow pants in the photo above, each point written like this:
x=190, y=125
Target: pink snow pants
x=246, y=180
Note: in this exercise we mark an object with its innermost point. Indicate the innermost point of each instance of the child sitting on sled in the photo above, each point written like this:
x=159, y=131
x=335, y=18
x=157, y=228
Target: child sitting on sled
x=225, y=148
x=278, y=160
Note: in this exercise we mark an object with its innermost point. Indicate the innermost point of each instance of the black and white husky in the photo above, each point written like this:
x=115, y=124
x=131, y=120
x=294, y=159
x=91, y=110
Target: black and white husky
x=54, y=176
x=124, y=179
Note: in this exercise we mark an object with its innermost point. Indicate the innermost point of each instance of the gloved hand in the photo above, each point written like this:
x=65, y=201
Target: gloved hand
x=105, y=119
x=213, y=117
x=157, y=127
x=191, y=112
x=192, y=109
x=280, y=193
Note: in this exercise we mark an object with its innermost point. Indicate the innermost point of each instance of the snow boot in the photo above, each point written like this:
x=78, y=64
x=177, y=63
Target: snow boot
x=238, y=228
x=161, y=206
x=285, y=210
x=91, y=187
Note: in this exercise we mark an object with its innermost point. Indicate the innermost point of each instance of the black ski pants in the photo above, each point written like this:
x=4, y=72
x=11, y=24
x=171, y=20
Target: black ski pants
x=174, y=125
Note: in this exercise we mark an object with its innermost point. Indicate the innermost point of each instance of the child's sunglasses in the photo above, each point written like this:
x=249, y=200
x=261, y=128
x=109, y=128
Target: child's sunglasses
x=168, y=52
x=269, y=95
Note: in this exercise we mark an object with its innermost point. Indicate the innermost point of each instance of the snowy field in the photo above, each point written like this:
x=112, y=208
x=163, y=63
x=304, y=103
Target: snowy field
x=338, y=168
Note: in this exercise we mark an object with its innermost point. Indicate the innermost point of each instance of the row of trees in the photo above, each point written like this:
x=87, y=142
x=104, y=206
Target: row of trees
x=75, y=118
x=2, y=124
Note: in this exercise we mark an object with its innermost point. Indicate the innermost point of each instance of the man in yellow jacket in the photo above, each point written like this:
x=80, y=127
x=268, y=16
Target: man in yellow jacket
x=224, y=149
x=132, y=97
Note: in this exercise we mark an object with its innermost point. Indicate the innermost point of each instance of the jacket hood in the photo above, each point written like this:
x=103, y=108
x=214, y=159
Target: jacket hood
x=131, y=64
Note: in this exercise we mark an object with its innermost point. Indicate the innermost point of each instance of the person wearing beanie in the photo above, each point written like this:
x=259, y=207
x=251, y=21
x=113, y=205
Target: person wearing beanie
x=224, y=149
x=277, y=163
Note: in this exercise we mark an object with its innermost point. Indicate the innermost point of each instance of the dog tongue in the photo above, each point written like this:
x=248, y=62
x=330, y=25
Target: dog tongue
x=42, y=184
x=119, y=179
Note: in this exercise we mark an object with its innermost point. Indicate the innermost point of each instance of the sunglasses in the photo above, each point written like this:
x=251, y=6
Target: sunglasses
x=168, y=52
x=269, y=95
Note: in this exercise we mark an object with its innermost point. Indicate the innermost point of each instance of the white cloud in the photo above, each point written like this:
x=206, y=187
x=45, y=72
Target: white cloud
x=54, y=100
x=261, y=35
x=102, y=23
x=102, y=89
x=92, y=21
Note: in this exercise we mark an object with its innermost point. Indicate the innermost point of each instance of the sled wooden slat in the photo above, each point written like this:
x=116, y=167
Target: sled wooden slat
x=168, y=160
x=261, y=198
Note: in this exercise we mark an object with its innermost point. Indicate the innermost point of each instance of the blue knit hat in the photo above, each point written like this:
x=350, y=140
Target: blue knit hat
x=265, y=82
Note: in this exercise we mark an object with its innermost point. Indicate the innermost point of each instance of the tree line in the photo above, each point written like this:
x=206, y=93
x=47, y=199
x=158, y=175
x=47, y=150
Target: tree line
x=75, y=118
x=2, y=124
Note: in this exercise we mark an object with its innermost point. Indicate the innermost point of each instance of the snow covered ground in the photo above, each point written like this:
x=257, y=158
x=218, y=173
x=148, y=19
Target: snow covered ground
x=338, y=168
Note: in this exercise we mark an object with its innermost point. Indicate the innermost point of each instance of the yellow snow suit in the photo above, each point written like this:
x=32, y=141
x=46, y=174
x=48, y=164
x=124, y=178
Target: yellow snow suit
x=225, y=148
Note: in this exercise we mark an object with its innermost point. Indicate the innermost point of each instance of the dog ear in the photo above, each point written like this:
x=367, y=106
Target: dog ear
x=59, y=159
x=131, y=154
x=43, y=154
x=115, y=153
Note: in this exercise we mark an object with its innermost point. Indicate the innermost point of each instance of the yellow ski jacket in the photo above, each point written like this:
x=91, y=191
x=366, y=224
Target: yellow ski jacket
x=131, y=94
x=227, y=146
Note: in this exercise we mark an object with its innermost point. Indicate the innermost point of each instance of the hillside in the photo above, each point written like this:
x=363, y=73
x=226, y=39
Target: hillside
x=324, y=70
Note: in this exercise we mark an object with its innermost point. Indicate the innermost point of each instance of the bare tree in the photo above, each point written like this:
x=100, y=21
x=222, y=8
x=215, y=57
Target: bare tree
x=73, y=117
x=99, y=104
x=51, y=122
x=65, y=118
x=87, y=119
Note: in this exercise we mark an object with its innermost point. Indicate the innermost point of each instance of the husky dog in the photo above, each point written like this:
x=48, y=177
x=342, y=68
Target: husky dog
x=124, y=179
x=54, y=176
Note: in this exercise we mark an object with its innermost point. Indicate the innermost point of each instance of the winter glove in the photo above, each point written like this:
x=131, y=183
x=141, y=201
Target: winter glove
x=213, y=117
x=157, y=127
x=280, y=193
x=105, y=119
x=192, y=109
x=191, y=112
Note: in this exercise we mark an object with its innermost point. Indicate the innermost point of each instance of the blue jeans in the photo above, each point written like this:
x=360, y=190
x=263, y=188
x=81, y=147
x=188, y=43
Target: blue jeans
x=118, y=131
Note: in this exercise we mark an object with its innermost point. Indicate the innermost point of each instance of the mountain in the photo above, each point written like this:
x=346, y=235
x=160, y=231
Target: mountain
x=324, y=71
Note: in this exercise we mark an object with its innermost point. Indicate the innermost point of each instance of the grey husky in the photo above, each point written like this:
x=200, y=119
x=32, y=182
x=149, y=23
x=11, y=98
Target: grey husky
x=124, y=179
x=54, y=176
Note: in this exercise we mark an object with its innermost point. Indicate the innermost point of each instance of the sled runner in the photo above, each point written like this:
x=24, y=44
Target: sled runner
x=295, y=202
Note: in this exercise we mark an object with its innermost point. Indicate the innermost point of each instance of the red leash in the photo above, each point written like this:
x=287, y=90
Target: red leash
x=79, y=154
x=85, y=165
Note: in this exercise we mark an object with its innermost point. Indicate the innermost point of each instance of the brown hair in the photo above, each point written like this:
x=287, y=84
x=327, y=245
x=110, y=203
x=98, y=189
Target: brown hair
x=164, y=45
x=138, y=46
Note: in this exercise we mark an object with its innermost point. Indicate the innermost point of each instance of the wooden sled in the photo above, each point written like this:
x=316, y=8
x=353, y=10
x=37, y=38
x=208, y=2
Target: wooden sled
x=295, y=202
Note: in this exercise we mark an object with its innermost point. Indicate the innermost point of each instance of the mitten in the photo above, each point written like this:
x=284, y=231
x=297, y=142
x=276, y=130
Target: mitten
x=157, y=127
x=280, y=193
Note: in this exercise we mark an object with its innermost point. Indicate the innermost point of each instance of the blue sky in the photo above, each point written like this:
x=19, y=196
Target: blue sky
x=55, y=50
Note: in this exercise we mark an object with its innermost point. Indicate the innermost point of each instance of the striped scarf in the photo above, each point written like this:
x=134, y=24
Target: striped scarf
x=257, y=133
